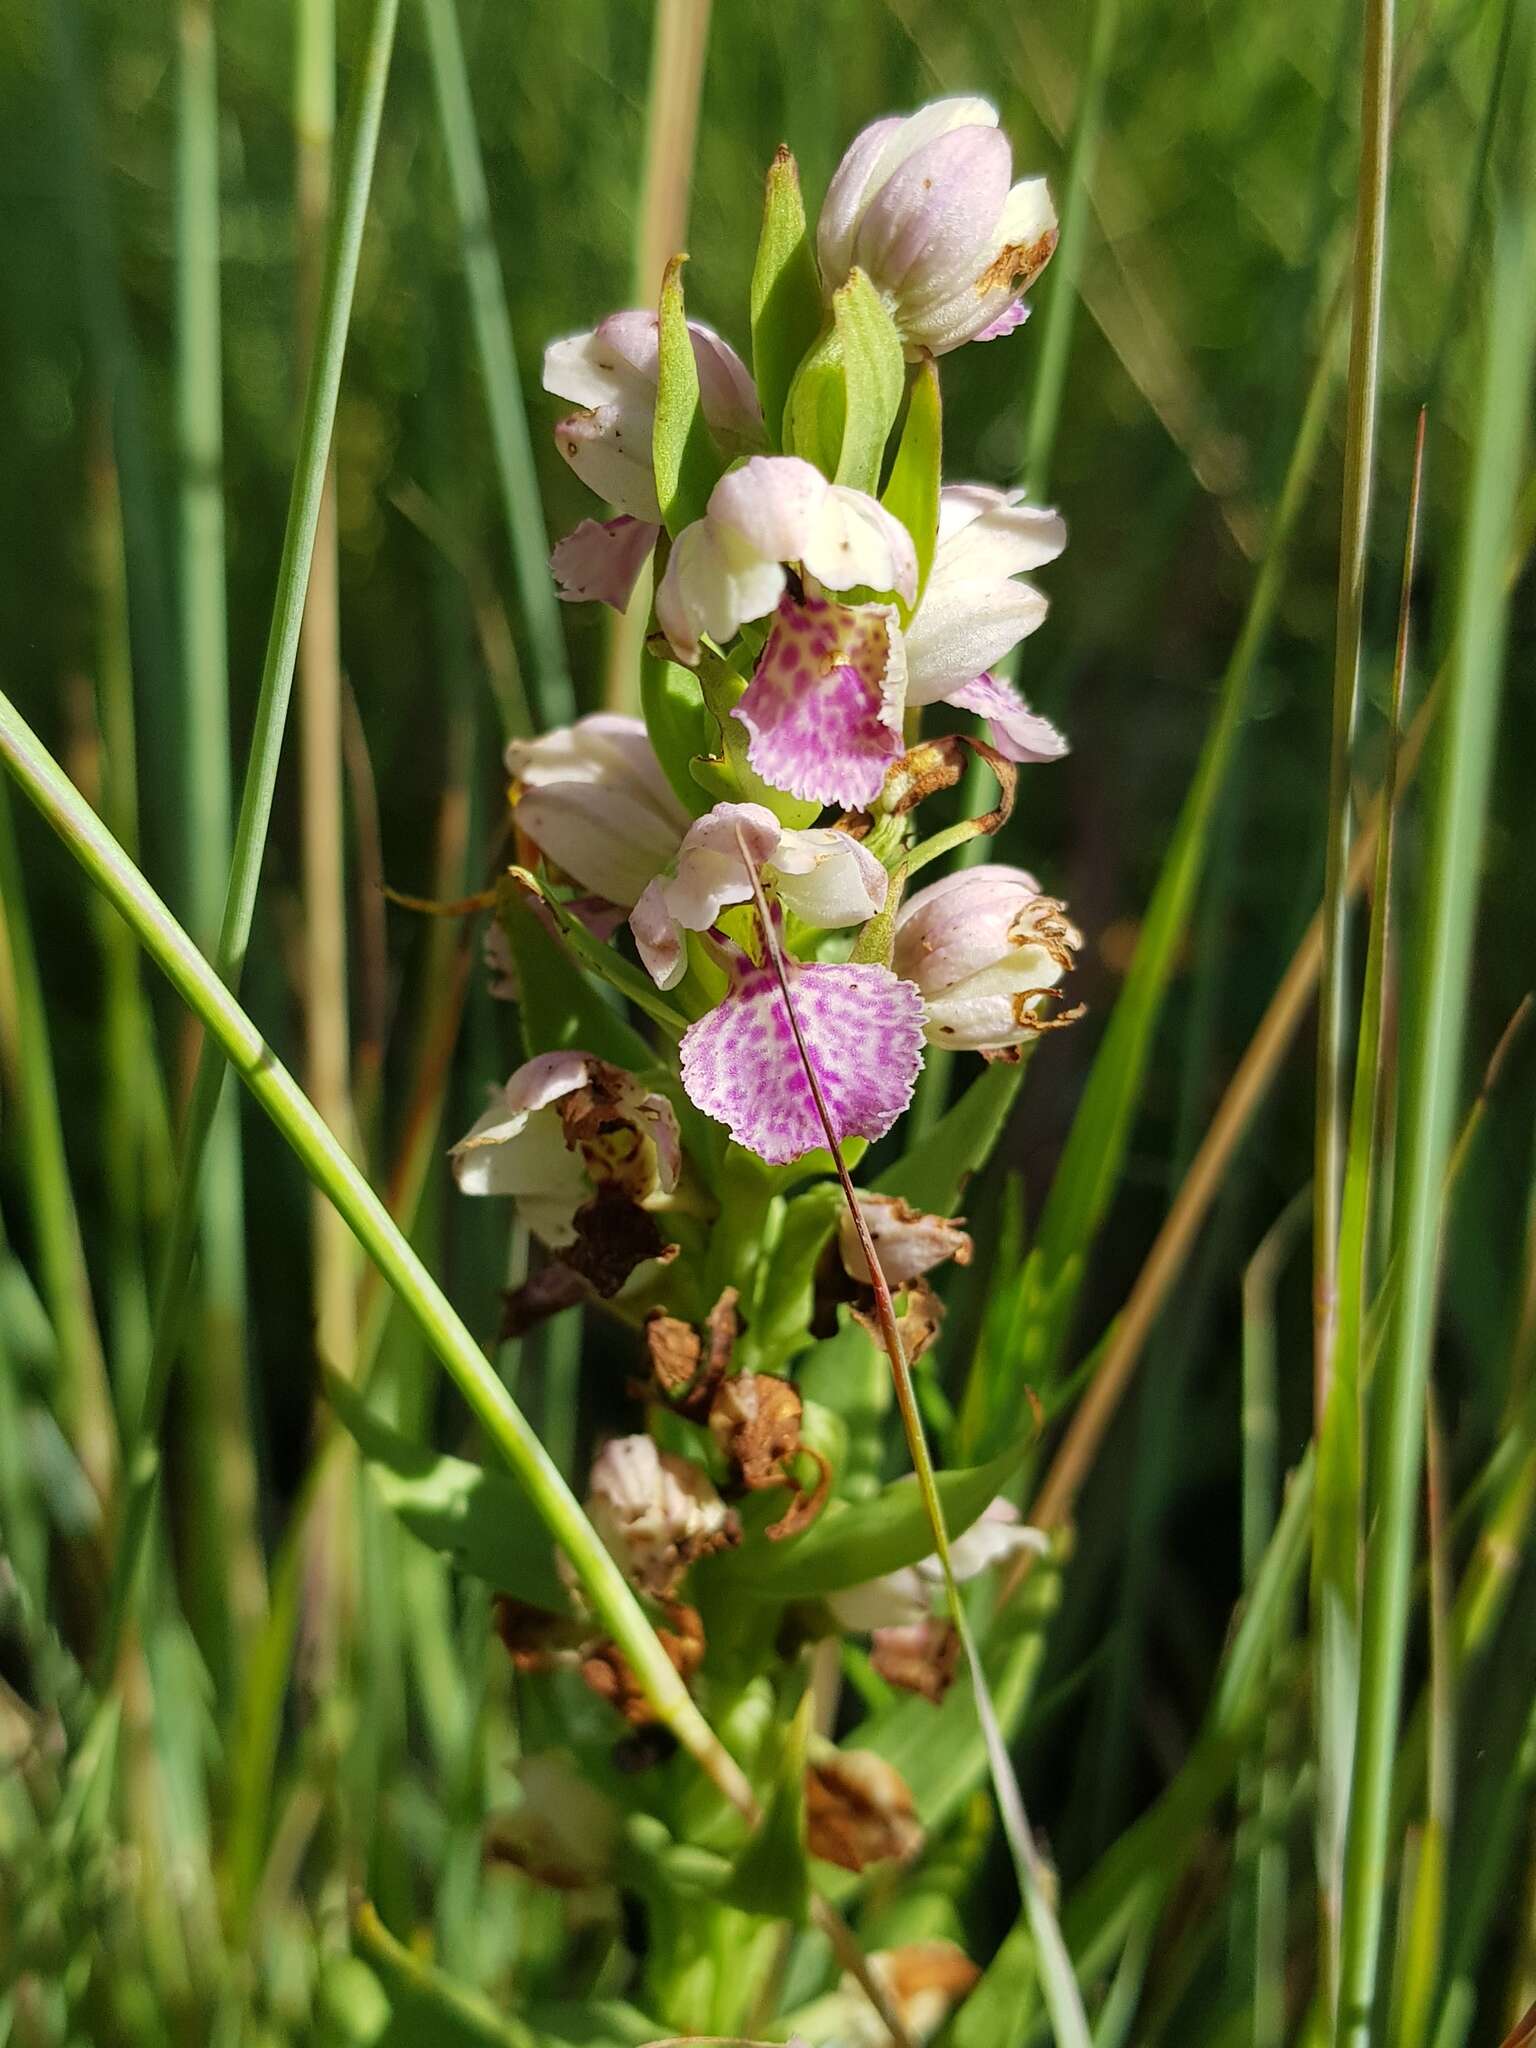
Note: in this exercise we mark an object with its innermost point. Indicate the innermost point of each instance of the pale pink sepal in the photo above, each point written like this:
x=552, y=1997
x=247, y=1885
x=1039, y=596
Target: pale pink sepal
x=1017, y=732
x=599, y=562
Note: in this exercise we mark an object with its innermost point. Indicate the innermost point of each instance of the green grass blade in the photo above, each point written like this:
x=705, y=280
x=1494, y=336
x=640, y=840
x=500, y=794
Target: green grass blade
x=1064, y=276
x=354, y=181
x=1368, y=280
x=84, y=1404
x=226, y=1570
x=552, y=694
x=1434, y=1037
x=1340, y=1529
x=329, y=1167
x=1094, y=1157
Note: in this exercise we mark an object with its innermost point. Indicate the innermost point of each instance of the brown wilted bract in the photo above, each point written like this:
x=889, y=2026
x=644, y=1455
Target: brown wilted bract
x=608, y=1672
x=920, y=1657
x=755, y=1419
x=687, y=1367
x=919, y=1322
x=859, y=1811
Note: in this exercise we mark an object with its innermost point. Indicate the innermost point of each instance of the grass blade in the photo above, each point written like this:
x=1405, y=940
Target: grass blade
x=1432, y=1056
x=324, y=383
x=226, y=1570
x=550, y=690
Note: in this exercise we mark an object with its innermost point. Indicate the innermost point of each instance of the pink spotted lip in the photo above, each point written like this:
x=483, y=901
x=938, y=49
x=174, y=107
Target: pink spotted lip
x=863, y=1030
x=823, y=710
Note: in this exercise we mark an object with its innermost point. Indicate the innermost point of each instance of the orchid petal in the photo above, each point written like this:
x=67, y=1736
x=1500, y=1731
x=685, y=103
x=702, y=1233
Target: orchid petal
x=599, y=562
x=824, y=708
x=862, y=1028
x=1018, y=733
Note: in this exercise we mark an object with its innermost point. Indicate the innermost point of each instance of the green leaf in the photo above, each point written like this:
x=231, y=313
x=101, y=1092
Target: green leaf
x=560, y=1009
x=847, y=392
x=849, y=1544
x=687, y=462
x=483, y=1522
x=785, y=1295
x=786, y=292
x=912, y=494
x=771, y=1875
x=876, y=941
x=1008, y=1994
x=934, y=1172
x=677, y=725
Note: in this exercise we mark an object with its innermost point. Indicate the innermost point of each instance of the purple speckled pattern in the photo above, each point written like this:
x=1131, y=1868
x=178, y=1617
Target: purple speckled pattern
x=863, y=1030
x=816, y=708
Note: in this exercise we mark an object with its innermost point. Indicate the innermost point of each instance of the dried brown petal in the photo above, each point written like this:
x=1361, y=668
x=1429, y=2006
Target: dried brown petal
x=908, y=1242
x=675, y=1348
x=613, y=1237
x=919, y=1322
x=755, y=1419
x=608, y=1672
x=859, y=1811
x=920, y=1656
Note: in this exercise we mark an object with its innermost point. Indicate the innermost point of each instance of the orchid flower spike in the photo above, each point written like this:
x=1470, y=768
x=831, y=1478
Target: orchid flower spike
x=612, y=374
x=925, y=207
x=595, y=801
x=774, y=512
x=824, y=876
x=566, y=1129
x=986, y=949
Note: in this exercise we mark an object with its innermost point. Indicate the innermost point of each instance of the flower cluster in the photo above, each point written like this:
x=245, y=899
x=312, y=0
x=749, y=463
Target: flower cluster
x=733, y=866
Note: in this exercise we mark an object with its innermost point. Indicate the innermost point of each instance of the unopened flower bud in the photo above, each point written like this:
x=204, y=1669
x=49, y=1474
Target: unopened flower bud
x=925, y=207
x=655, y=1512
x=985, y=949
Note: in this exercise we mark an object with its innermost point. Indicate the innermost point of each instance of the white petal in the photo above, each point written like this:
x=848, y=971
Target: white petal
x=854, y=542
x=828, y=878
x=658, y=938
x=883, y=1603
x=712, y=588
x=614, y=364
x=607, y=840
x=610, y=450
x=962, y=629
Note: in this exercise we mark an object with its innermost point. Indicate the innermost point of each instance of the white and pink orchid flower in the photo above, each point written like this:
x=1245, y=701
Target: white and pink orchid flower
x=773, y=513
x=902, y=1598
x=611, y=373
x=565, y=1125
x=986, y=950
x=596, y=802
x=824, y=709
x=825, y=877
x=926, y=208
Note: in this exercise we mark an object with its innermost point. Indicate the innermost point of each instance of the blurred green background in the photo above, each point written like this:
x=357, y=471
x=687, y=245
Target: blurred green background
x=1222, y=199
